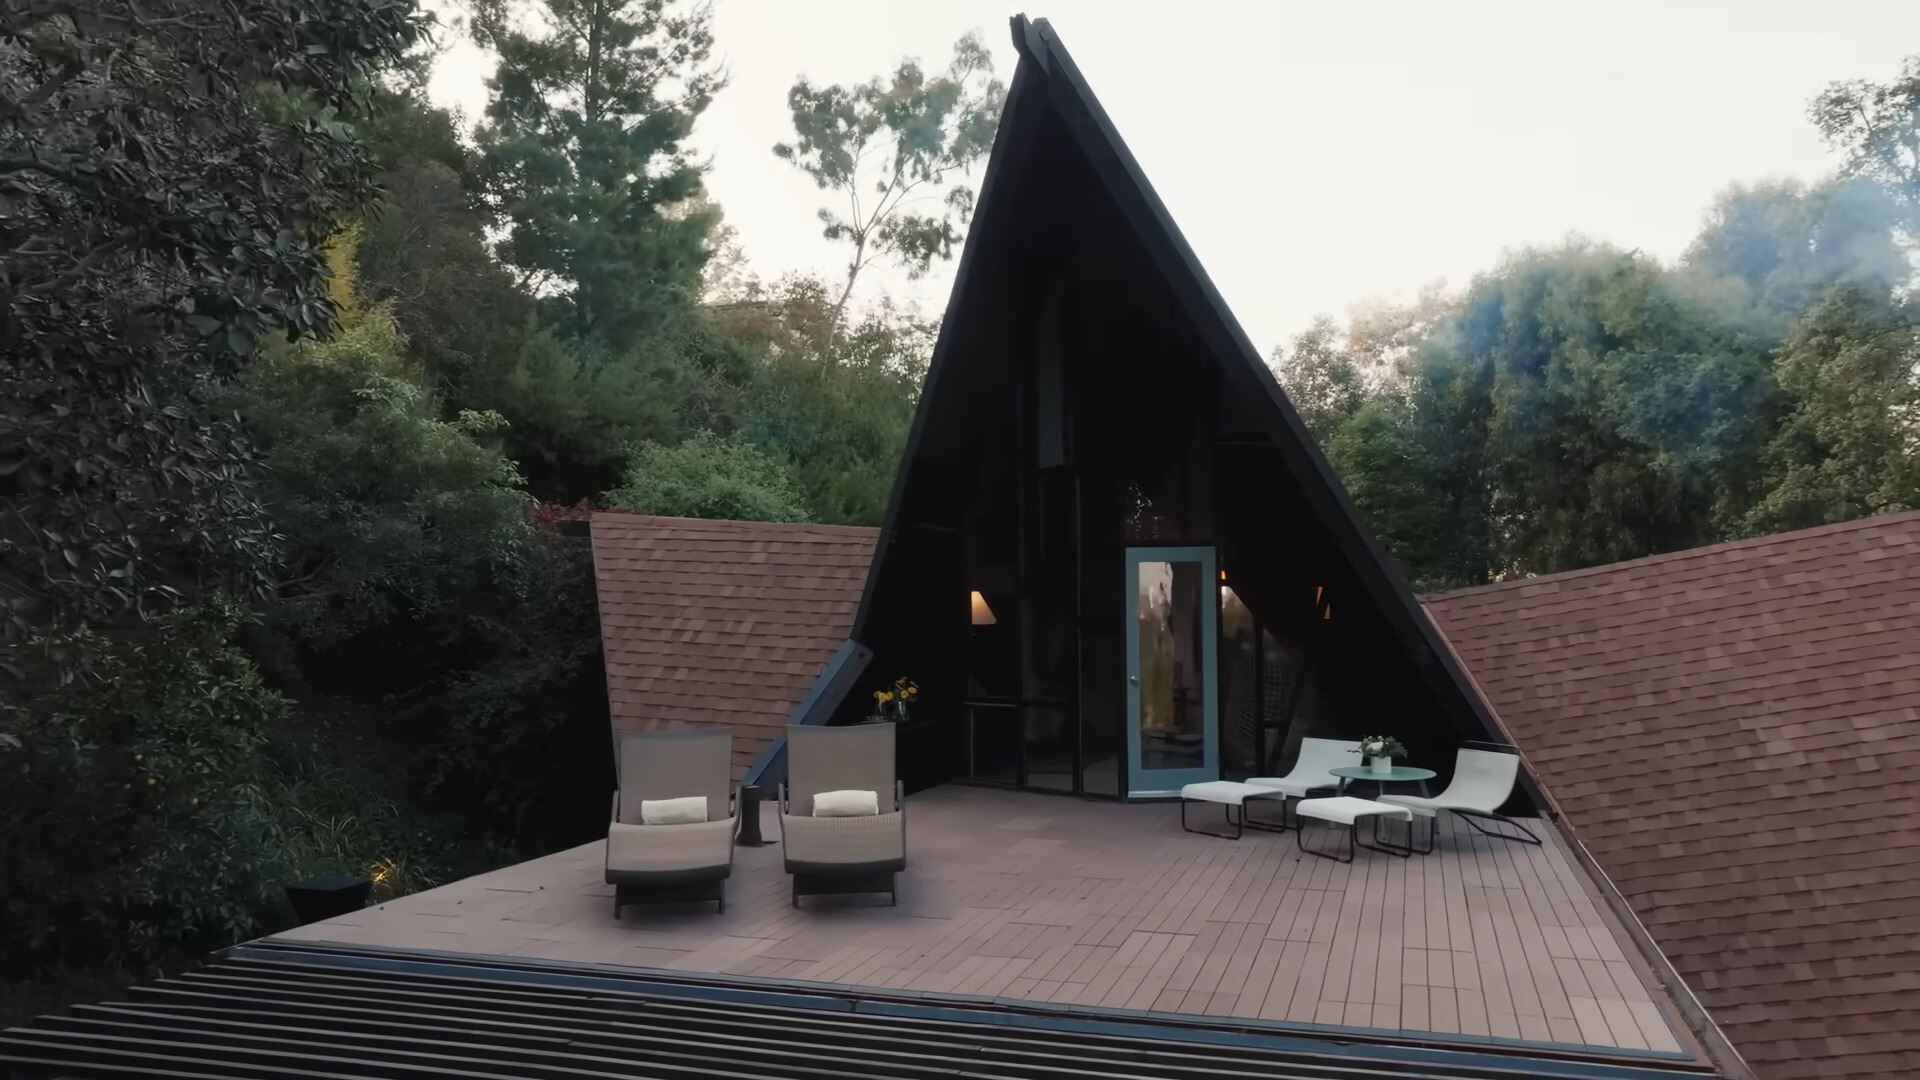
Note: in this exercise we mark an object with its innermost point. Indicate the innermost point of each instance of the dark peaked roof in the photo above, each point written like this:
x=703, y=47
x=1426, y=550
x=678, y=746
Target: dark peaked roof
x=1734, y=732
x=1047, y=86
x=721, y=622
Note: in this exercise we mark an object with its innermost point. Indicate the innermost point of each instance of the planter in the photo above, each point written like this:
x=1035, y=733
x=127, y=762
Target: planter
x=1382, y=766
x=328, y=895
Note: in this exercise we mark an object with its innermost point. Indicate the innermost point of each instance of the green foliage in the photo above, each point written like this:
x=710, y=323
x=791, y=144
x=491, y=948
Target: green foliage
x=1768, y=251
x=417, y=567
x=423, y=252
x=158, y=805
x=136, y=822
x=1621, y=419
x=1877, y=125
x=583, y=156
x=572, y=408
x=886, y=146
x=1851, y=445
x=389, y=511
x=709, y=477
x=518, y=729
x=158, y=220
x=1395, y=482
x=840, y=411
x=1322, y=378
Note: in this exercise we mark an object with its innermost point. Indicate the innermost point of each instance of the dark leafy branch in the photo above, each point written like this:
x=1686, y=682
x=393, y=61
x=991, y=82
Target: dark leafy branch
x=165, y=174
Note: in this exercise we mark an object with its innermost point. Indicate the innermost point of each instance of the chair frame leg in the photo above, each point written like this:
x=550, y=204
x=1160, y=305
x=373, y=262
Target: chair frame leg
x=1247, y=819
x=1238, y=821
x=1300, y=841
x=1385, y=846
x=1526, y=835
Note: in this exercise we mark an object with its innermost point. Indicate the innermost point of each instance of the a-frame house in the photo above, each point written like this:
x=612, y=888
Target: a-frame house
x=1114, y=560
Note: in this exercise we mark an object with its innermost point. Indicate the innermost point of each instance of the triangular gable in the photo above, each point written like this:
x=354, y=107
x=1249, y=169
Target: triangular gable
x=1047, y=87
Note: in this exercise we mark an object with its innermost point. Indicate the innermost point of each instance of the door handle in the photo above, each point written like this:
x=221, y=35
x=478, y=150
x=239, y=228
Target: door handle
x=1133, y=680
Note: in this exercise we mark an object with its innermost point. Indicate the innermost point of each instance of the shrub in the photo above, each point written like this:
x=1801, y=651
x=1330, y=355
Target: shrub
x=157, y=808
x=517, y=733
x=136, y=817
x=710, y=477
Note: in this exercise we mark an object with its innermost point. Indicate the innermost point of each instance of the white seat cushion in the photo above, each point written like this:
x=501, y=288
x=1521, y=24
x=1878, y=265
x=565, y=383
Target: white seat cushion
x=846, y=804
x=1296, y=788
x=1346, y=809
x=1227, y=792
x=1425, y=807
x=685, y=811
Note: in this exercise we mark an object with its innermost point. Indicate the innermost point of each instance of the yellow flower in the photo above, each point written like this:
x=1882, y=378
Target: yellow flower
x=883, y=697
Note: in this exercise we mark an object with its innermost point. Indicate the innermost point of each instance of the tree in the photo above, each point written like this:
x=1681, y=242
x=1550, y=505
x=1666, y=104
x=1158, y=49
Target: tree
x=1622, y=418
x=887, y=146
x=710, y=477
x=1768, y=251
x=159, y=218
x=1321, y=379
x=840, y=410
x=1850, y=447
x=1877, y=125
x=583, y=155
x=391, y=512
x=423, y=251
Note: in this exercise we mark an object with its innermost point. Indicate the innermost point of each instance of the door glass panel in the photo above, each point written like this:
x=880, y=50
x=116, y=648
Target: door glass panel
x=1172, y=729
x=1172, y=679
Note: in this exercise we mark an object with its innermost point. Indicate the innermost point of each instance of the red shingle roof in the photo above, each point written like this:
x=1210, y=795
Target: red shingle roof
x=721, y=622
x=1734, y=732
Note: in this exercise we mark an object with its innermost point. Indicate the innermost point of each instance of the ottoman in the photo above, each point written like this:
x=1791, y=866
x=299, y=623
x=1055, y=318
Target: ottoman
x=1347, y=810
x=1231, y=796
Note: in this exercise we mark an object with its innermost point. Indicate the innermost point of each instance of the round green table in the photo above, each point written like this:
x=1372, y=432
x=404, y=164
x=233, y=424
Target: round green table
x=1401, y=774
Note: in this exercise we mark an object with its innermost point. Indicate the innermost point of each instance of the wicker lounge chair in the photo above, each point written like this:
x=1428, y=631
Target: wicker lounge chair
x=839, y=845
x=682, y=861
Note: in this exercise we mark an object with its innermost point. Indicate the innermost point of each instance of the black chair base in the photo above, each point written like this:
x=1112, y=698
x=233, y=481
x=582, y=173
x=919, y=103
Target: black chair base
x=1526, y=835
x=1354, y=843
x=872, y=882
x=1241, y=821
x=692, y=892
x=1381, y=843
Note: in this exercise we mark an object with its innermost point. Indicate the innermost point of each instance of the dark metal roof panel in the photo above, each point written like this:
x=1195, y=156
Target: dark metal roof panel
x=271, y=1011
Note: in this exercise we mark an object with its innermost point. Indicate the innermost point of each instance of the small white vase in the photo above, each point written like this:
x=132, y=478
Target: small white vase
x=1381, y=765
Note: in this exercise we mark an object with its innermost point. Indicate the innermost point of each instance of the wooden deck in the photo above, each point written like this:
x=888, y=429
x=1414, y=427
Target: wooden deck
x=1059, y=900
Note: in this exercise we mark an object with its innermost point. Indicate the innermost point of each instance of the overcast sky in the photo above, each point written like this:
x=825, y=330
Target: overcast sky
x=1317, y=154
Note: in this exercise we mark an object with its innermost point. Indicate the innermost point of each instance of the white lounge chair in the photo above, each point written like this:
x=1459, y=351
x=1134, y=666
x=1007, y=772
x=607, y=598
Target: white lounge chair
x=1482, y=782
x=1312, y=771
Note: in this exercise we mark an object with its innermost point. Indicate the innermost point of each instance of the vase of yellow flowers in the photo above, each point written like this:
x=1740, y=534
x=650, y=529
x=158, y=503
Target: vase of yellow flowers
x=890, y=703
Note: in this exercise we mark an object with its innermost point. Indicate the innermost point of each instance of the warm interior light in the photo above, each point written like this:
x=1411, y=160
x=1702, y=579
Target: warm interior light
x=1223, y=575
x=982, y=614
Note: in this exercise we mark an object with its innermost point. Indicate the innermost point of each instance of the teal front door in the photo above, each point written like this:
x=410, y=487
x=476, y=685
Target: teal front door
x=1172, y=680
